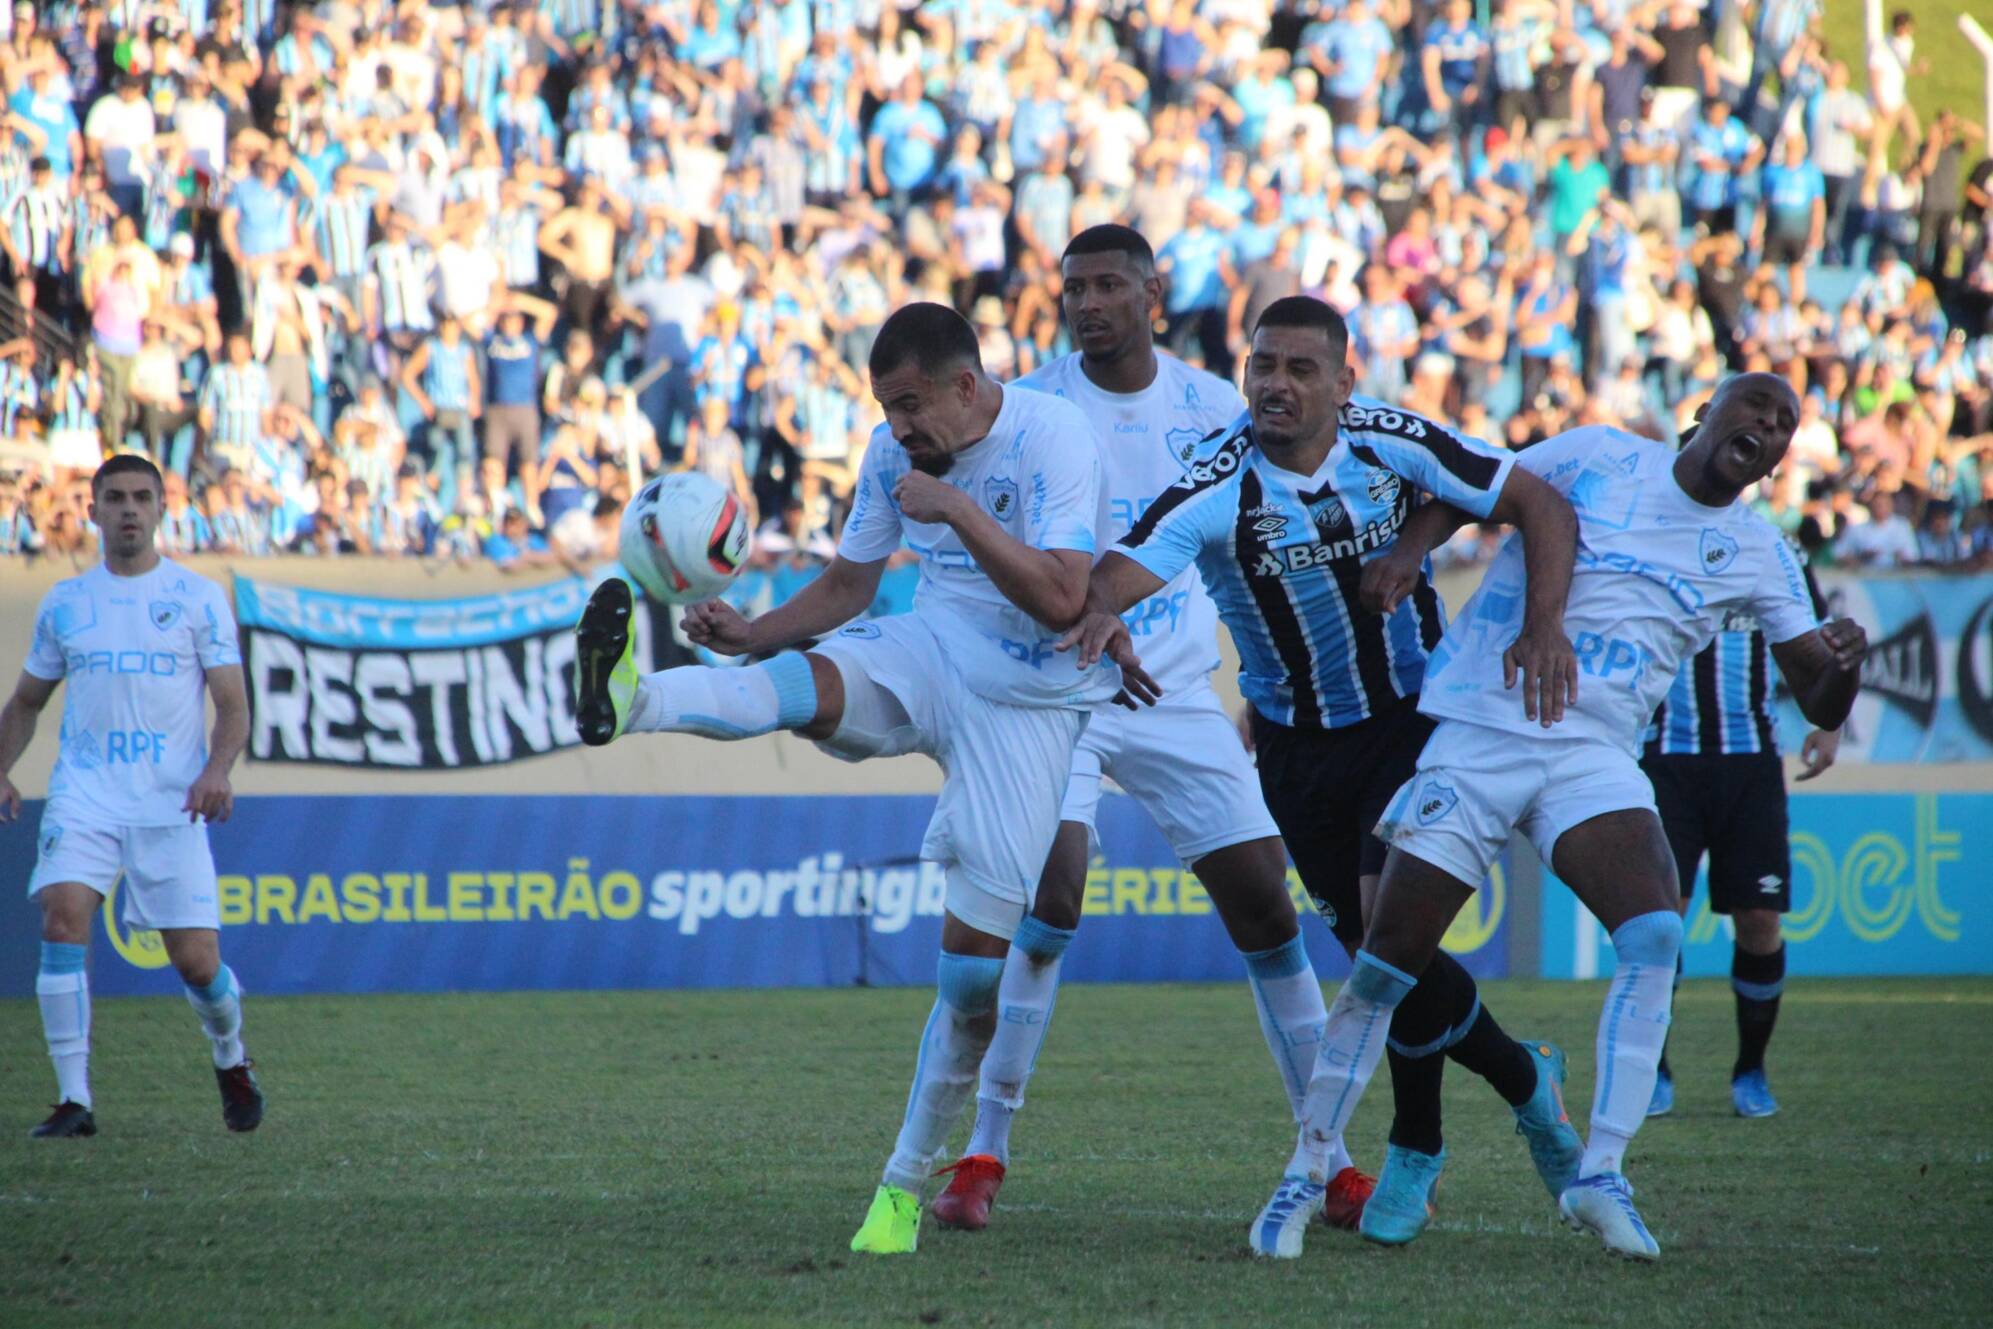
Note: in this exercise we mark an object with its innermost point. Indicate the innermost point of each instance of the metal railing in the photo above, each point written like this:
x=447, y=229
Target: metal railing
x=53, y=340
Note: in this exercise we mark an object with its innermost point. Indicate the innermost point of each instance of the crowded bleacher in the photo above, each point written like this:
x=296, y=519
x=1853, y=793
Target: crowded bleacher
x=438, y=281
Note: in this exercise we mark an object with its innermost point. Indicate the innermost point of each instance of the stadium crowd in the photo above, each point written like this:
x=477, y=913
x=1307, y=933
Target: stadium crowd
x=438, y=280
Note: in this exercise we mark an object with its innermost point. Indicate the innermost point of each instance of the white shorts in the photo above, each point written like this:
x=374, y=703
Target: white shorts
x=1004, y=767
x=169, y=872
x=1183, y=761
x=1476, y=785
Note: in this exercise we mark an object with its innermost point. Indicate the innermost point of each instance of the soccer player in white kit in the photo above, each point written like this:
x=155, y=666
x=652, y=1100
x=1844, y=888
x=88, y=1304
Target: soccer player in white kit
x=1181, y=759
x=138, y=639
x=998, y=492
x=1665, y=552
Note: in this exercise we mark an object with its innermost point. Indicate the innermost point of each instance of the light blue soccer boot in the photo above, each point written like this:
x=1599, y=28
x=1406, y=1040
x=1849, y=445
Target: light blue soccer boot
x=1280, y=1228
x=1663, y=1101
x=1405, y=1198
x=1751, y=1095
x=1554, y=1145
x=1602, y=1204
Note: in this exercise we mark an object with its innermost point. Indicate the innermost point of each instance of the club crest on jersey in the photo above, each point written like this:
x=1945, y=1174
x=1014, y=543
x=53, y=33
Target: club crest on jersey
x=164, y=613
x=1182, y=443
x=1383, y=486
x=1435, y=801
x=1001, y=496
x=1328, y=513
x=1718, y=550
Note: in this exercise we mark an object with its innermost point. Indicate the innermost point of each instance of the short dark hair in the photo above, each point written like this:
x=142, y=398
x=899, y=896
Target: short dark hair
x=935, y=337
x=1305, y=311
x=126, y=463
x=1112, y=238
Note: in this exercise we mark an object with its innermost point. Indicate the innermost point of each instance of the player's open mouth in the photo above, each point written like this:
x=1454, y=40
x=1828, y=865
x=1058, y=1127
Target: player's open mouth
x=1275, y=411
x=1746, y=448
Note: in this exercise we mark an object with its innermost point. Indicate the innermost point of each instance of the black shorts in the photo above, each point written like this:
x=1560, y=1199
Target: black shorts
x=1785, y=248
x=1326, y=788
x=1732, y=807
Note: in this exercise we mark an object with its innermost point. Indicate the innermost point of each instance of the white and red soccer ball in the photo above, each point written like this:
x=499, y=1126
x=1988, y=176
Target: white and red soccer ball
x=684, y=538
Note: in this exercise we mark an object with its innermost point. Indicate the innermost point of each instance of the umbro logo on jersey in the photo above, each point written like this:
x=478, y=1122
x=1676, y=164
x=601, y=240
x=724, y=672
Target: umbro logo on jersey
x=1769, y=885
x=1718, y=550
x=164, y=613
x=1271, y=528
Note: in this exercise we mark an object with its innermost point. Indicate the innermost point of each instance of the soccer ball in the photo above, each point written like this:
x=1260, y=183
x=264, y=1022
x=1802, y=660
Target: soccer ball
x=684, y=538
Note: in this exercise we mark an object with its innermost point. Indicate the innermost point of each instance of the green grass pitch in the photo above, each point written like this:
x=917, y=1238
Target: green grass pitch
x=702, y=1159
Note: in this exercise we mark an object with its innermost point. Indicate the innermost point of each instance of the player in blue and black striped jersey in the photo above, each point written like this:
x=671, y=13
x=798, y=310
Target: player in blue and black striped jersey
x=1290, y=516
x=1712, y=756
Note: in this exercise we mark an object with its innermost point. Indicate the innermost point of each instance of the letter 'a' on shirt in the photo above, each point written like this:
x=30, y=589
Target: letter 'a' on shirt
x=132, y=655
x=1037, y=473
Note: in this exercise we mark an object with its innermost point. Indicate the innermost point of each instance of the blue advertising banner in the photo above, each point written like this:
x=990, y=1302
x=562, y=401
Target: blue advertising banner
x=422, y=894
x=1927, y=686
x=1881, y=884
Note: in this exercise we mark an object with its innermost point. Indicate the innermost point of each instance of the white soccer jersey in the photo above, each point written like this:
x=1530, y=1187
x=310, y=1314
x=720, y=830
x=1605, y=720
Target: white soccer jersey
x=1038, y=474
x=1147, y=439
x=133, y=652
x=1656, y=574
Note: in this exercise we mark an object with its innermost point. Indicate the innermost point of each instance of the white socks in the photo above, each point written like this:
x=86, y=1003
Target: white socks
x=1025, y=1001
x=219, y=1005
x=63, y=990
x=726, y=703
x=1632, y=1030
x=951, y=1048
x=1288, y=997
x=1352, y=1045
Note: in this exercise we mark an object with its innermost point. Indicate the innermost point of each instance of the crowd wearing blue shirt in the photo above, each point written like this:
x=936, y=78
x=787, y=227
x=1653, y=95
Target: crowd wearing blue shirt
x=1537, y=213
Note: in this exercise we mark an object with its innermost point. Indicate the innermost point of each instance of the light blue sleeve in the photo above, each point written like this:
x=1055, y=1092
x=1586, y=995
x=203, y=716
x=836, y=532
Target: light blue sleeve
x=1780, y=601
x=1062, y=511
x=1184, y=522
x=873, y=529
x=45, y=660
x=1454, y=468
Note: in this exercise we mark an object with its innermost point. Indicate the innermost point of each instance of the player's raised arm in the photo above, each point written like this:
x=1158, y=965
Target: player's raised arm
x=17, y=729
x=1049, y=583
x=844, y=591
x=1824, y=669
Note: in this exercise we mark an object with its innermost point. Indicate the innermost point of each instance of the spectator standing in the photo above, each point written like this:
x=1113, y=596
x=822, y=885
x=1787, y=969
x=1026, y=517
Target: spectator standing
x=442, y=379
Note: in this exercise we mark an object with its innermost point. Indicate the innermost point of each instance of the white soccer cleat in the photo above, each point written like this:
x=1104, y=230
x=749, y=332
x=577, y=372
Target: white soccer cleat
x=1278, y=1231
x=1603, y=1206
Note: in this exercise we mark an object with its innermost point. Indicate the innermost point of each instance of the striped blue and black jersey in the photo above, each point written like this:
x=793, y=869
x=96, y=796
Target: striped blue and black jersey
x=1721, y=701
x=1282, y=553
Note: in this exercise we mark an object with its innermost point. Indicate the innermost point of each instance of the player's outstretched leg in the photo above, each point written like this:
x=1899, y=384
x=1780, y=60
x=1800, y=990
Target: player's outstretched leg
x=613, y=699
x=1757, y=977
x=63, y=990
x=951, y=1051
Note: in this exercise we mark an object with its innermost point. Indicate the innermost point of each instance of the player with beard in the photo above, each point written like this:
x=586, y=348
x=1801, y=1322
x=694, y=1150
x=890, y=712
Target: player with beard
x=998, y=491
x=1666, y=552
x=1291, y=517
x=1181, y=759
